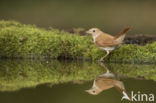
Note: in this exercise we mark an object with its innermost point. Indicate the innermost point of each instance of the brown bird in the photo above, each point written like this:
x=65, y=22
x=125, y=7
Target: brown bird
x=107, y=81
x=105, y=41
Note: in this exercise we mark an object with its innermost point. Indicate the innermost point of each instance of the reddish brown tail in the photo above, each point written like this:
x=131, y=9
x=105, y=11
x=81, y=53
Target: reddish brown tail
x=120, y=37
x=124, y=31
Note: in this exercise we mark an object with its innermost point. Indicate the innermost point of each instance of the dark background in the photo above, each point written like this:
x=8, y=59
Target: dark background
x=109, y=15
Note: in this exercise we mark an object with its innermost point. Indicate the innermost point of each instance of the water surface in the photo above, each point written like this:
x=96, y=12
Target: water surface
x=45, y=81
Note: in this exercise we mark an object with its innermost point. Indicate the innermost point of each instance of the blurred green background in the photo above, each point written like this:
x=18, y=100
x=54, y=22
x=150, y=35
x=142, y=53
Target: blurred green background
x=109, y=15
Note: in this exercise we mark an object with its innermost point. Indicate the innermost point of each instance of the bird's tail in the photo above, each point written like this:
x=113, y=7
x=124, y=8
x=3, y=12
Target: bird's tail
x=120, y=36
x=120, y=87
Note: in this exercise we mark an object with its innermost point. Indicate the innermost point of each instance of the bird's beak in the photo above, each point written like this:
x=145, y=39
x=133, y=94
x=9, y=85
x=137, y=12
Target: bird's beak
x=87, y=91
x=88, y=32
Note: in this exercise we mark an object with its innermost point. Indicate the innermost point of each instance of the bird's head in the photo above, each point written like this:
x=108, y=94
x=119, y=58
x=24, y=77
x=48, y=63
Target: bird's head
x=93, y=91
x=94, y=31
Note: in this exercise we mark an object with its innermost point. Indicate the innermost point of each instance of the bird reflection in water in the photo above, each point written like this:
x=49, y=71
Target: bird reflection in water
x=106, y=81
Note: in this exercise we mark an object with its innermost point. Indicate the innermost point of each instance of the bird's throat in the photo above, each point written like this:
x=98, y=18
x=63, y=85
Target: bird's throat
x=95, y=36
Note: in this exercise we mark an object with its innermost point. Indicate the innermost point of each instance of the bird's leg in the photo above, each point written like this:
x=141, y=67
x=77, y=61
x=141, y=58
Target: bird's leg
x=107, y=70
x=107, y=53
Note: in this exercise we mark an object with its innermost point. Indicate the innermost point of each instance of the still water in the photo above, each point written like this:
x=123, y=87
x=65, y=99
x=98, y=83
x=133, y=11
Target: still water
x=67, y=81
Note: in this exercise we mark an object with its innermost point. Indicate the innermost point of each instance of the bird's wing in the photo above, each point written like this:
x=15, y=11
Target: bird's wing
x=105, y=40
x=104, y=83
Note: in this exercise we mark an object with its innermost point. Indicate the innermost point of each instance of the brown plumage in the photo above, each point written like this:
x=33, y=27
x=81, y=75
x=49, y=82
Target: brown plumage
x=104, y=82
x=124, y=31
x=106, y=41
x=107, y=81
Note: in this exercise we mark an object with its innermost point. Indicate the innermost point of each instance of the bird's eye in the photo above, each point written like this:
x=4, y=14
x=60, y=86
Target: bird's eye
x=93, y=91
x=94, y=30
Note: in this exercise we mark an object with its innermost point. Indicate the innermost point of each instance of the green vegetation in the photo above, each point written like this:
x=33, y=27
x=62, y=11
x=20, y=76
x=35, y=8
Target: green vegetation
x=17, y=74
x=27, y=41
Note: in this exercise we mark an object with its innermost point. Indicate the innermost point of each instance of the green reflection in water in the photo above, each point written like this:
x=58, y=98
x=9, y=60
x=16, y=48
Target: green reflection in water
x=17, y=74
x=75, y=93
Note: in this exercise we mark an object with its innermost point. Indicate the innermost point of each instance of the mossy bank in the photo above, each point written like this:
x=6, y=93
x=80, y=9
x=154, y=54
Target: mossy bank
x=27, y=41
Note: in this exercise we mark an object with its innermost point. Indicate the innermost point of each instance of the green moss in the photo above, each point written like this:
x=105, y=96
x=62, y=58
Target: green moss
x=27, y=41
x=134, y=54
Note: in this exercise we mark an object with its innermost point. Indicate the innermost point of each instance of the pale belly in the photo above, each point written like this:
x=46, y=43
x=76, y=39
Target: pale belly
x=107, y=48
